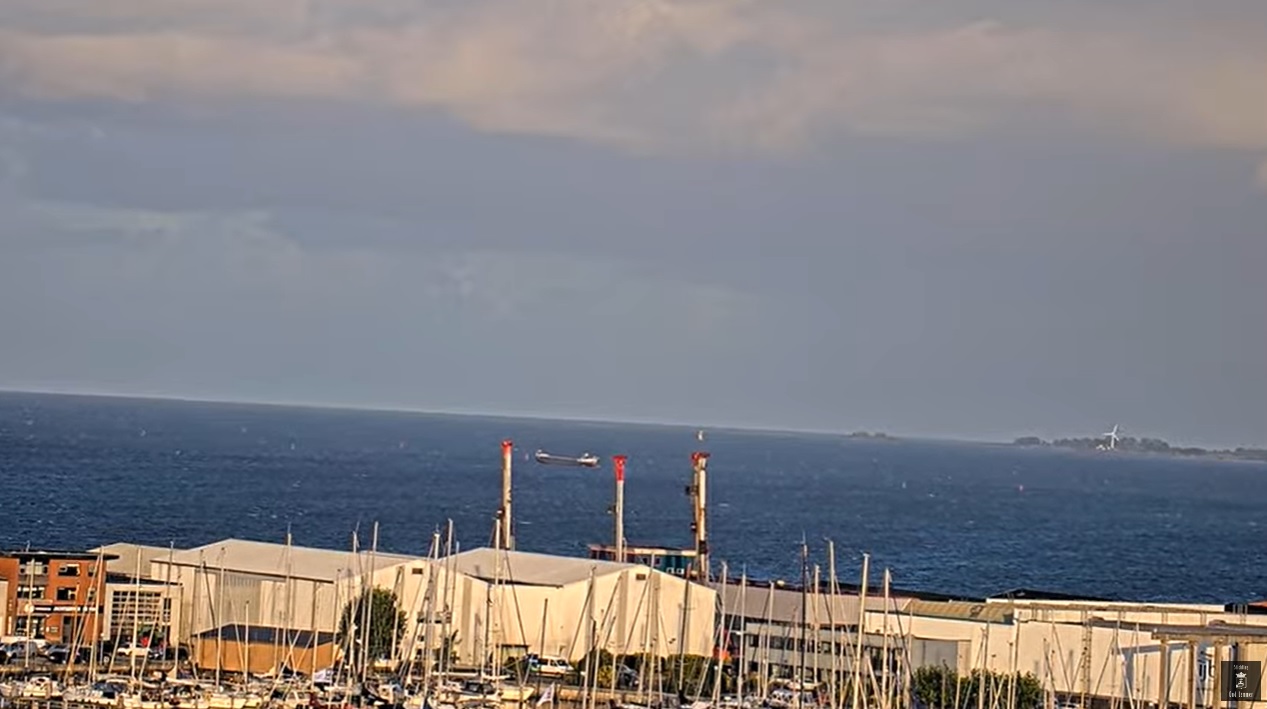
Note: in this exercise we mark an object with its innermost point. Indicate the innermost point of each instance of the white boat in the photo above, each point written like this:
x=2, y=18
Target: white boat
x=40, y=688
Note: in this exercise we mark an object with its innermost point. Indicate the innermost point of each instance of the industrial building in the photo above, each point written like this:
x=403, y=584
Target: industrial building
x=564, y=607
x=1088, y=651
x=484, y=600
x=778, y=632
x=241, y=582
x=4, y=608
x=52, y=595
x=1083, y=651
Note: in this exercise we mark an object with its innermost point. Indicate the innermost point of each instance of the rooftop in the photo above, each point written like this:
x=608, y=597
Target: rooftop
x=133, y=559
x=1030, y=594
x=1214, y=631
x=269, y=559
x=962, y=610
x=529, y=569
x=54, y=555
x=783, y=605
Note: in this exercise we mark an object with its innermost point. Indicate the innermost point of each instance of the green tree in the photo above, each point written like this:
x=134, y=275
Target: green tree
x=387, y=624
x=938, y=687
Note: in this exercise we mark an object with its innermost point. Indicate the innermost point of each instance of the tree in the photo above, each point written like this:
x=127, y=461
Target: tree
x=387, y=624
x=939, y=687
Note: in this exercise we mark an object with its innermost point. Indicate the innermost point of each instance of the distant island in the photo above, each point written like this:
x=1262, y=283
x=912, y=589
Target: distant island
x=871, y=436
x=1145, y=445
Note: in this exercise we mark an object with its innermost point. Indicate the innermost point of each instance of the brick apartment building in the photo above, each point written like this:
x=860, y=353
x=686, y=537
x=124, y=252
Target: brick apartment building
x=58, y=596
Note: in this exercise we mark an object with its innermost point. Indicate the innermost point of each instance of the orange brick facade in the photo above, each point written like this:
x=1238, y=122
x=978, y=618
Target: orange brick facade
x=57, y=596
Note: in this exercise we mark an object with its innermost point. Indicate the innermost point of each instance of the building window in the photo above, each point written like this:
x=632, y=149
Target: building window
x=31, y=592
x=68, y=570
x=29, y=627
x=66, y=593
x=33, y=568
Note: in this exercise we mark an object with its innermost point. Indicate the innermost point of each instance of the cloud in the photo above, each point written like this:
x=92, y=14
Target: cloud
x=1262, y=175
x=657, y=74
x=249, y=256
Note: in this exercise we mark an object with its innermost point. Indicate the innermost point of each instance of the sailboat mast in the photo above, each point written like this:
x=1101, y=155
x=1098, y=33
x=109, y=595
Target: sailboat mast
x=764, y=663
x=884, y=677
x=368, y=596
x=862, y=614
x=136, y=615
x=743, y=636
x=219, y=618
x=833, y=687
x=450, y=585
x=723, y=638
x=804, y=620
x=816, y=598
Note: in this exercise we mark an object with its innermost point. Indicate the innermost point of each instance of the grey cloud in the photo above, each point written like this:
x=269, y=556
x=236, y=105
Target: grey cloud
x=613, y=72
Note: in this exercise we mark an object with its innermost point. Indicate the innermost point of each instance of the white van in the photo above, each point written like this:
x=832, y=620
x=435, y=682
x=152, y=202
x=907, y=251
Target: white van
x=550, y=666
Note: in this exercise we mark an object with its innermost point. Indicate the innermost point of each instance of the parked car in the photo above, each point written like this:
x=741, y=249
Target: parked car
x=21, y=650
x=64, y=654
x=127, y=649
x=627, y=678
x=549, y=666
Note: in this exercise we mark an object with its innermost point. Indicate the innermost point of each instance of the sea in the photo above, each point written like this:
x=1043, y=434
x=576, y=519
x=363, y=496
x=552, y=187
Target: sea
x=947, y=517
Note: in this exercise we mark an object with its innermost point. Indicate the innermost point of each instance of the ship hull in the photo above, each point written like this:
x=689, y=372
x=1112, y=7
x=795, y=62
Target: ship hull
x=585, y=461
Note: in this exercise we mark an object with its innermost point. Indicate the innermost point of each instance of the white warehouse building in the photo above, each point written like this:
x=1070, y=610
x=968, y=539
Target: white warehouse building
x=549, y=605
x=564, y=607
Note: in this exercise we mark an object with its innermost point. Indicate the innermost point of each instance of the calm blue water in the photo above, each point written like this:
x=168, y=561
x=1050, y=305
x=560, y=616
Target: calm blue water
x=78, y=472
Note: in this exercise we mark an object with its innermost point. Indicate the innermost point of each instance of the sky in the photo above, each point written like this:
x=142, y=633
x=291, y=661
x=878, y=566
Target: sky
x=971, y=219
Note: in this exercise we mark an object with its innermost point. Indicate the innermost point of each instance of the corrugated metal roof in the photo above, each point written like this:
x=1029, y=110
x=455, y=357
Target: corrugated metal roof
x=531, y=569
x=268, y=559
x=784, y=606
x=962, y=610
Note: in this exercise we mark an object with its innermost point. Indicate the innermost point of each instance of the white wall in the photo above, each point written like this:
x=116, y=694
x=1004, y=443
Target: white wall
x=1123, y=662
x=552, y=620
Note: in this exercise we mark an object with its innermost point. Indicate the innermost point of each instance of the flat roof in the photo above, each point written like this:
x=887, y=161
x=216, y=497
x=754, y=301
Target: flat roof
x=962, y=610
x=279, y=560
x=783, y=605
x=1213, y=631
x=1031, y=594
x=530, y=569
x=55, y=555
x=645, y=549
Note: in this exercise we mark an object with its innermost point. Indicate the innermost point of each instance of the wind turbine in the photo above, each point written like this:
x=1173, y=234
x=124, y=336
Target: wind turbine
x=1113, y=438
